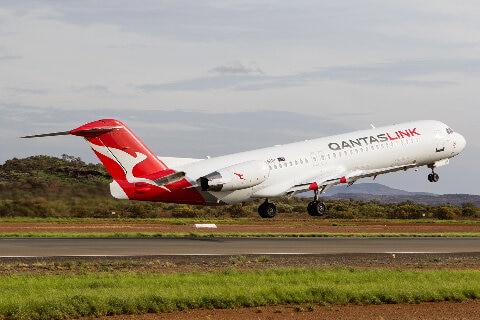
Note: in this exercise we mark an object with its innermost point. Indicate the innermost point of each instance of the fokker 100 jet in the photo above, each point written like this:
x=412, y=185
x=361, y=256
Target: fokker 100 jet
x=285, y=170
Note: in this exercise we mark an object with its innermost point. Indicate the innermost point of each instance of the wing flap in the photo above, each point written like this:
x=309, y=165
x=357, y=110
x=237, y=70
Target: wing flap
x=299, y=184
x=329, y=179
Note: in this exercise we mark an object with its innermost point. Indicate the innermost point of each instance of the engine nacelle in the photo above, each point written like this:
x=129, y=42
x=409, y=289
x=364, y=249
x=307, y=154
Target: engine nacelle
x=239, y=176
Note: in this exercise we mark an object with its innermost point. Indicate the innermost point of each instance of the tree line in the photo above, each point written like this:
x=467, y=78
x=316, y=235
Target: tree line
x=44, y=186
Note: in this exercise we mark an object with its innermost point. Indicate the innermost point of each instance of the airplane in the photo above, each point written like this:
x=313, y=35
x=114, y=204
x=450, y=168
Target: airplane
x=282, y=170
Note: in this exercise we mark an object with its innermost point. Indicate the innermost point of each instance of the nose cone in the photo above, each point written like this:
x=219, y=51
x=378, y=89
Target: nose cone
x=459, y=142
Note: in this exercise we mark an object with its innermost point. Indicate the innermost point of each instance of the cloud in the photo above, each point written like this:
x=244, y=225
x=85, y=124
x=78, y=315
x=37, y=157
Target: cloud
x=235, y=76
x=236, y=68
x=8, y=57
x=218, y=82
x=5, y=55
x=29, y=91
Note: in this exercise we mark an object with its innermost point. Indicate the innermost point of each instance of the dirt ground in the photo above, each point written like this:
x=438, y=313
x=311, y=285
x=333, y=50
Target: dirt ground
x=277, y=225
x=424, y=311
x=439, y=310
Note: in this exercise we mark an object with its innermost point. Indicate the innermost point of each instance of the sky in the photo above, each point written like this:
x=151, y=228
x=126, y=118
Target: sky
x=205, y=78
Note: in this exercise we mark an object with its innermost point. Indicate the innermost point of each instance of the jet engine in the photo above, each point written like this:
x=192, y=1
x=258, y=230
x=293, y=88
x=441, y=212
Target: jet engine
x=239, y=176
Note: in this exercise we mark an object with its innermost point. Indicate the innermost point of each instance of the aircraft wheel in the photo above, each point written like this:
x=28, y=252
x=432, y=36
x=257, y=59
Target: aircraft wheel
x=267, y=210
x=316, y=208
x=433, y=177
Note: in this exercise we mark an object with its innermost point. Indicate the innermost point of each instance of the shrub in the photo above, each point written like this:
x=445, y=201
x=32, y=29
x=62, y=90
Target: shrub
x=184, y=211
x=238, y=211
x=445, y=213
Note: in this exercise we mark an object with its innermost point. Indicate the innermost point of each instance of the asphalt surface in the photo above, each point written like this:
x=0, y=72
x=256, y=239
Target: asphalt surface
x=41, y=247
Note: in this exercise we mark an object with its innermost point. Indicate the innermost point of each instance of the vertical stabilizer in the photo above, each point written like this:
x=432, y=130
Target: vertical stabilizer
x=122, y=153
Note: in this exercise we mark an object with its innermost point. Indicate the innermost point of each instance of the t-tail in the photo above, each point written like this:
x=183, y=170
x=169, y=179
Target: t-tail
x=137, y=172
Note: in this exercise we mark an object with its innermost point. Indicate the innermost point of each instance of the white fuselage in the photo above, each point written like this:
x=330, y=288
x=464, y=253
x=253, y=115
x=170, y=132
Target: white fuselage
x=345, y=157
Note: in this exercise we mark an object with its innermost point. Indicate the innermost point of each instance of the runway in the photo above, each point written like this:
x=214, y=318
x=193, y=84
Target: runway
x=46, y=247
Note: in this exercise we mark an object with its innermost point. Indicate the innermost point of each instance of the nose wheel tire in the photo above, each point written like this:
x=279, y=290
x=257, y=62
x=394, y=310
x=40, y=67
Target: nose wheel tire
x=433, y=177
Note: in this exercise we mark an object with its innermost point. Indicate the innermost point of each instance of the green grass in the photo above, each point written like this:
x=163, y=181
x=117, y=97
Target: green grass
x=65, y=296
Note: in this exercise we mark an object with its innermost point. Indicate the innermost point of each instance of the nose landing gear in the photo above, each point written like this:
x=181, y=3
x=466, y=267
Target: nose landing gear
x=433, y=177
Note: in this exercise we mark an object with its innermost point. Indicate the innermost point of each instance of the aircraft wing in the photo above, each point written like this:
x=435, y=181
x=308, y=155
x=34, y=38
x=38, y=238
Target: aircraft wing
x=300, y=183
x=325, y=180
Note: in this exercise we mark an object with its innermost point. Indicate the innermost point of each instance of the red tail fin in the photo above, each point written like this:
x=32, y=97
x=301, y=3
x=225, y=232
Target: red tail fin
x=130, y=163
x=121, y=151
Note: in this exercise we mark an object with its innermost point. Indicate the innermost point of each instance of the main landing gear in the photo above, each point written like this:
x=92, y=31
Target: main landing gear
x=267, y=209
x=316, y=208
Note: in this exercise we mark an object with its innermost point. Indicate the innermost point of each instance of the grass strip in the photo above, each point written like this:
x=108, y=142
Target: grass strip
x=65, y=296
x=230, y=235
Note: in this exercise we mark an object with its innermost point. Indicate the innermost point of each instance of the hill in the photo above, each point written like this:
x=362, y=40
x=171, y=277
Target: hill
x=373, y=189
x=453, y=199
x=382, y=193
x=52, y=178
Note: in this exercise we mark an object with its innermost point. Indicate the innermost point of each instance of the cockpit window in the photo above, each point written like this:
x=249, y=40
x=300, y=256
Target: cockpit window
x=449, y=131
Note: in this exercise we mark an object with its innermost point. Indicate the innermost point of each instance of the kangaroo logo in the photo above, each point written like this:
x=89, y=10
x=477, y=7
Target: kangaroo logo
x=240, y=175
x=126, y=161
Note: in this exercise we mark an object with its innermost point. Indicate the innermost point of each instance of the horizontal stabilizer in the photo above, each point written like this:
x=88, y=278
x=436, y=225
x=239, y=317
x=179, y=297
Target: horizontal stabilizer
x=64, y=133
x=82, y=132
